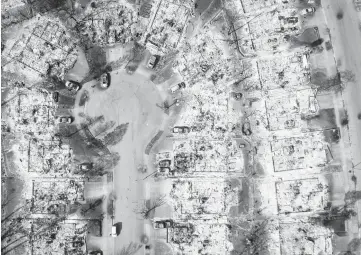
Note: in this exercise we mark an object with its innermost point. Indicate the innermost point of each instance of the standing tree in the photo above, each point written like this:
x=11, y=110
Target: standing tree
x=336, y=83
x=253, y=234
x=147, y=208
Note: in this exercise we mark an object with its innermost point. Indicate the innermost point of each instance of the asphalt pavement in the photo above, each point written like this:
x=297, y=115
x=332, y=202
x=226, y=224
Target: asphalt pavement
x=345, y=33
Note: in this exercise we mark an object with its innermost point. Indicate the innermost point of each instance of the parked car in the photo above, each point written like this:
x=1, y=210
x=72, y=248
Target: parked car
x=246, y=129
x=181, y=130
x=293, y=28
x=164, y=163
x=72, y=86
x=292, y=20
x=78, y=244
x=242, y=145
x=290, y=124
x=114, y=231
x=147, y=248
x=66, y=119
x=105, y=80
x=56, y=96
x=305, y=62
x=164, y=169
x=152, y=61
x=86, y=166
x=162, y=224
x=98, y=252
x=296, y=59
x=237, y=96
x=196, y=128
x=308, y=11
x=177, y=87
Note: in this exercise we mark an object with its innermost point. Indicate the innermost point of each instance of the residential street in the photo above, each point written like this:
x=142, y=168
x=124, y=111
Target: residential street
x=129, y=99
x=346, y=39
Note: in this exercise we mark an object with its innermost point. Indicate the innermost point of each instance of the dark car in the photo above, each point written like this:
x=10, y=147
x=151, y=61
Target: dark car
x=182, y=85
x=246, y=129
x=78, y=244
x=163, y=224
x=56, y=96
x=290, y=124
x=292, y=20
x=165, y=163
x=196, y=128
x=293, y=28
x=164, y=169
x=98, y=252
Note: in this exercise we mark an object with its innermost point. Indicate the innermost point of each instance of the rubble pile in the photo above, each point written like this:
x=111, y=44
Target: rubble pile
x=208, y=239
x=166, y=29
x=60, y=236
x=301, y=195
x=109, y=23
x=47, y=49
x=31, y=111
x=54, y=196
x=305, y=238
x=200, y=198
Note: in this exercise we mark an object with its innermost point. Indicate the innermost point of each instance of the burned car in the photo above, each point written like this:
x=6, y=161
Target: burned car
x=165, y=163
x=162, y=224
x=181, y=130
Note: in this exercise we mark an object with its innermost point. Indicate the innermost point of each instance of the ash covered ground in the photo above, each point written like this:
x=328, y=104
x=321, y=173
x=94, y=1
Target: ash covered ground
x=181, y=127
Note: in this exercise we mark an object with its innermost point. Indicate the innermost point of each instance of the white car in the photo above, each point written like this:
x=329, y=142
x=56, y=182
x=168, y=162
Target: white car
x=105, y=80
x=152, y=61
x=72, y=86
x=308, y=11
x=177, y=87
x=66, y=119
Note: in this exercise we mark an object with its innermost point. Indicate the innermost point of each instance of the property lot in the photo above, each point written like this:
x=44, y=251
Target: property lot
x=62, y=236
x=53, y=197
x=166, y=30
x=50, y=157
x=293, y=153
x=282, y=71
x=305, y=195
x=305, y=238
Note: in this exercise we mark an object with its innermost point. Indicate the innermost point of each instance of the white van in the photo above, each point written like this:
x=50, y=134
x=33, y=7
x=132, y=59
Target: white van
x=114, y=231
x=305, y=63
